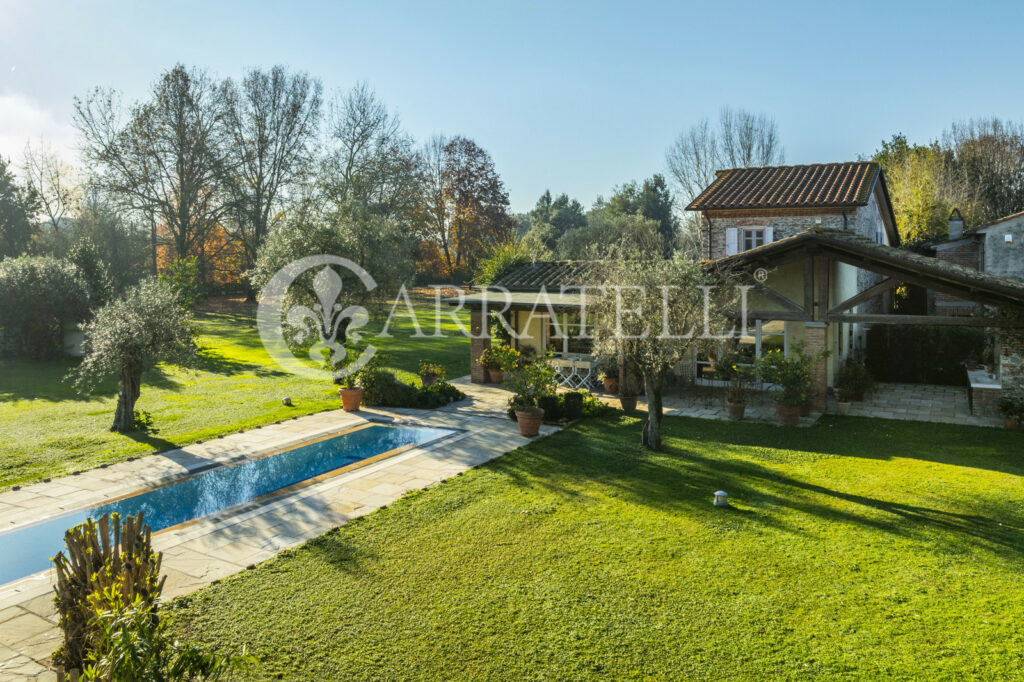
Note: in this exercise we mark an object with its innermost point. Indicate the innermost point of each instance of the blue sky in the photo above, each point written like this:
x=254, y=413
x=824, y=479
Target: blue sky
x=575, y=97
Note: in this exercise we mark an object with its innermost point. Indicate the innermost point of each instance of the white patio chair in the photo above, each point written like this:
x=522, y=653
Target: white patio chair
x=584, y=372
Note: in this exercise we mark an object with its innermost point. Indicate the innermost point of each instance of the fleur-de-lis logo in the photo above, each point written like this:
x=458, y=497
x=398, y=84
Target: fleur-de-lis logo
x=325, y=321
x=326, y=318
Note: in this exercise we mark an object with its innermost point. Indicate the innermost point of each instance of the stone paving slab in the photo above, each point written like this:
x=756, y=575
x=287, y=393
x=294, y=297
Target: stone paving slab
x=227, y=542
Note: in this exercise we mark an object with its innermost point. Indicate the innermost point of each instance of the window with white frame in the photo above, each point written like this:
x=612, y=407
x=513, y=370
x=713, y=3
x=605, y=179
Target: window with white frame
x=753, y=237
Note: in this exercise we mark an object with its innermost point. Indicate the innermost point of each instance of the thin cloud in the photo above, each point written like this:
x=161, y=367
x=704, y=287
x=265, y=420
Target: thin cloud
x=22, y=119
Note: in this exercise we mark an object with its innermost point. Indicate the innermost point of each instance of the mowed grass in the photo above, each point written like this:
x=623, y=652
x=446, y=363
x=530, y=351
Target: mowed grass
x=49, y=430
x=865, y=549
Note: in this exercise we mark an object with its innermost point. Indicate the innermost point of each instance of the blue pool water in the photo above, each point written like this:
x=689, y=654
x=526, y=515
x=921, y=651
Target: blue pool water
x=27, y=550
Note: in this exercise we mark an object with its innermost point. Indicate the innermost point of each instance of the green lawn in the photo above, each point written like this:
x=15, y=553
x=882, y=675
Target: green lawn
x=46, y=429
x=856, y=548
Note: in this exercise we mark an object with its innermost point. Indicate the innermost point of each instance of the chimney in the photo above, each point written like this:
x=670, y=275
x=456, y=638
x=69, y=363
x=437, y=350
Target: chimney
x=956, y=225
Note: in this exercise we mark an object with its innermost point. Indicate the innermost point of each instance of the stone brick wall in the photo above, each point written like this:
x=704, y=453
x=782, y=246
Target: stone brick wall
x=1011, y=357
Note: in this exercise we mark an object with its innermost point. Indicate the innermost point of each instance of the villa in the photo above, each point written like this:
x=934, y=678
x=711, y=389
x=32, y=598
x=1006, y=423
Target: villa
x=821, y=246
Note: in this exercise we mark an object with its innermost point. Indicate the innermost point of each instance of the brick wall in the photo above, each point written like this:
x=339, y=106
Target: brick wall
x=814, y=340
x=480, y=340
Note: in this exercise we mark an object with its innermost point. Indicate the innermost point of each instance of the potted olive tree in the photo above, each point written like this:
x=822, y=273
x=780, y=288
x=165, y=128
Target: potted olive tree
x=736, y=393
x=530, y=383
x=431, y=373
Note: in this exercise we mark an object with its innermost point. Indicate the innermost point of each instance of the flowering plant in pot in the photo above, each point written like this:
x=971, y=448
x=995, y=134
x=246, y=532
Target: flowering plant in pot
x=1011, y=406
x=430, y=373
x=529, y=384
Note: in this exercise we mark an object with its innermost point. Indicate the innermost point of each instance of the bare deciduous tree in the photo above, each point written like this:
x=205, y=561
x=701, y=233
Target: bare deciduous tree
x=53, y=181
x=373, y=162
x=166, y=160
x=272, y=117
x=740, y=140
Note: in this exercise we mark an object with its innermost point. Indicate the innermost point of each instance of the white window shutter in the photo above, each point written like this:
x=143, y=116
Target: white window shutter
x=731, y=241
x=769, y=234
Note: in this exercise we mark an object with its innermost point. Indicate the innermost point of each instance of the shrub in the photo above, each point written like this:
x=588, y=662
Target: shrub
x=131, y=644
x=38, y=296
x=853, y=379
x=507, y=357
x=182, y=275
x=383, y=389
x=86, y=258
x=100, y=555
x=501, y=259
x=1011, y=403
x=572, y=404
x=552, y=406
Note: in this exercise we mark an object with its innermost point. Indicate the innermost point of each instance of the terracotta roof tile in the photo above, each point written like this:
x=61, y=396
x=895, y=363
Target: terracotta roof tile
x=816, y=185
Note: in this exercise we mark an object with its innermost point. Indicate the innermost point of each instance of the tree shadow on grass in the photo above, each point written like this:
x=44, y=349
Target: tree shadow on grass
x=683, y=478
x=211, y=361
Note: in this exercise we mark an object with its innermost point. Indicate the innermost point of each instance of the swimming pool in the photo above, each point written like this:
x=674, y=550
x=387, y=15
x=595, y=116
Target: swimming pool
x=27, y=550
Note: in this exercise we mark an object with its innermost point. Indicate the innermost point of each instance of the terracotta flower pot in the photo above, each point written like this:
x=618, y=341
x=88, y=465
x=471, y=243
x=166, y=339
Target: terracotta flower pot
x=788, y=414
x=1012, y=423
x=350, y=398
x=844, y=407
x=611, y=385
x=628, y=402
x=529, y=419
x=428, y=379
x=736, y=411
x=496, y=376
x=805, y=410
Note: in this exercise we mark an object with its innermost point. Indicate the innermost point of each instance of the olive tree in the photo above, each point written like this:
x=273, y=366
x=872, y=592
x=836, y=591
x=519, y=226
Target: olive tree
x=652, y=314
x=145, y=326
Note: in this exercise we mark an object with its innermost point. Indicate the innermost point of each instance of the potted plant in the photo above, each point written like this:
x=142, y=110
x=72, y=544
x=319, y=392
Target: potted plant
x=1011, y=406
x=736, y=394
x=609, y=376
x=529, y=384
x=489, y=361
x=351, y=392
x=508, y=359
x=855, y=379
x=430, y=373
x=843, y=401
x=792, y=378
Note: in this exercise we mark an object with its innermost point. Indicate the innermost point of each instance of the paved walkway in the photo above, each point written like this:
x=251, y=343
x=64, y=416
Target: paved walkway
x=919, y=402
x=227, y=542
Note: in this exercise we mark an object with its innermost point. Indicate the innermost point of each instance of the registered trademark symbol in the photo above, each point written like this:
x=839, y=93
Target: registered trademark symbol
x=760, y=274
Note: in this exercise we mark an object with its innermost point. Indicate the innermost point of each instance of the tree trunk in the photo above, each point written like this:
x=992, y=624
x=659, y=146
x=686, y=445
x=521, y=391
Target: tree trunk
x=652, y=429
x=131, y=385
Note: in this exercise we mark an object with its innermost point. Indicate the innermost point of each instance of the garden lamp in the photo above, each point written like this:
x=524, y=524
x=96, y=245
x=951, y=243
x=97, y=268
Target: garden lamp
x=721, y=499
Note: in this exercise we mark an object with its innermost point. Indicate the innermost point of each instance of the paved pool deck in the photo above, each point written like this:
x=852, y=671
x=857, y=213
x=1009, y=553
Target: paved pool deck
x=200, y=552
